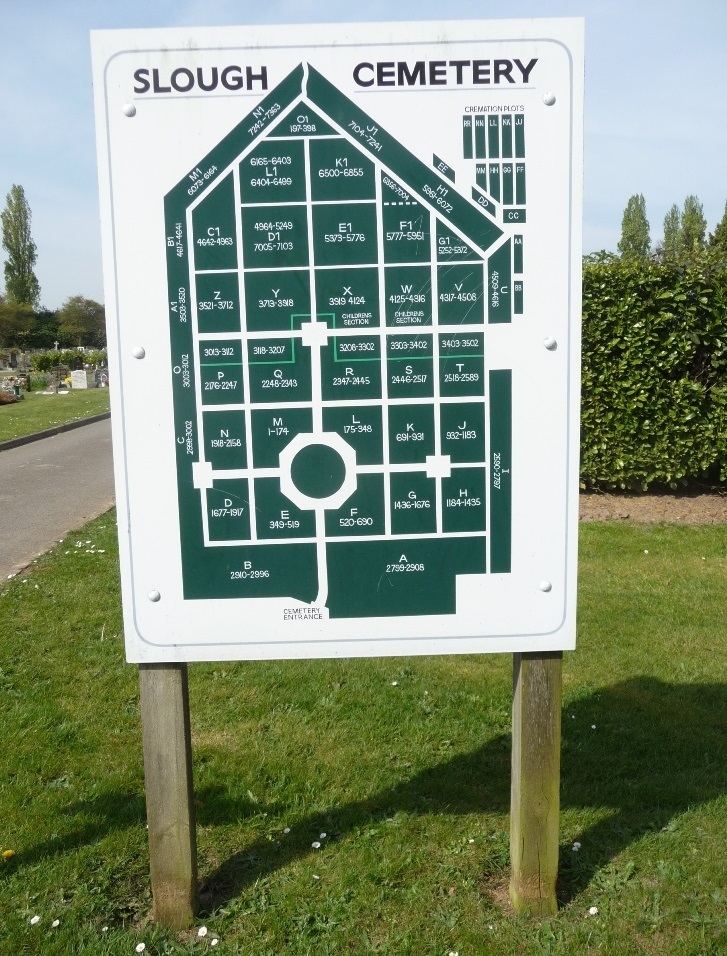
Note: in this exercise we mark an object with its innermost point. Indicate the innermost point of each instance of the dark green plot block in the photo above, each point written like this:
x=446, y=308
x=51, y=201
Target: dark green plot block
x=228, y=510
x=302, y=121
x=406, y=225
x=517, y=254
x=360, y=426
x=507, y=136
x=408, y=295
x=362, y=513
x=224, y=439
x=493, y=179
x=413, y=503
x=499, y=285
x=214, y=234
x=221, y=372
x=349, y=296
x=351, y=368
x=275, y=237
x=480, y=137
x=413, y=379
x=464, y=501
x=444, y=168
x=520, y=192
x=276, y=516
x=338, y=170
x=345, y=234
x=462, y=431
x=279, y=370
x=411, y=433
x=508, y=184
x=461, y=364
x=514, y=216
x=273, y=429
x=493, y=136
x=518, y=301
x=451, y=248
x=239, y=571
x=409, y=366
x=461, y=294
x=408, y=576
x=273, y=173
x=356, y=348
x=484, y=203
x=218, y=302
x=500, y=393
x=467, y=137
x=520, y=137
x=275, y=301
x=277, y=352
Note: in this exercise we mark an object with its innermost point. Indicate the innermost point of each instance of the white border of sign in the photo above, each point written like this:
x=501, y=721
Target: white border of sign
x=148, y=143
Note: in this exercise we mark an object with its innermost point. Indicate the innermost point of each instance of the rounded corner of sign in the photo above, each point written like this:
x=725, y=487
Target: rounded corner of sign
x=564, y=635
x=140, y=641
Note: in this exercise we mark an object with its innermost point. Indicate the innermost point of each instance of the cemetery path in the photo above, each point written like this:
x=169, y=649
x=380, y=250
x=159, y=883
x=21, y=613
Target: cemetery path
x=50, y=487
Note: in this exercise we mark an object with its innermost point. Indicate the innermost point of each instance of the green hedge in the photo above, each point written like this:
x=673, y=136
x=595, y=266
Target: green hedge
x=654, y=398
x=45, y=361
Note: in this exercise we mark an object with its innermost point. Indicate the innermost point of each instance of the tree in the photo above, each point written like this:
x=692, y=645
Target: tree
x=672, y=231
x=83, y=321
x=21, y=284
x=694, y=226
x=635, y=240
x=43, y=332
x=684, y=230
x=718, y=239
x=16, y=319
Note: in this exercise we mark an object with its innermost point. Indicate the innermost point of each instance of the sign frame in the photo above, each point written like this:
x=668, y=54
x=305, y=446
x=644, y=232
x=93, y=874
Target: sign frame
x=157, y=129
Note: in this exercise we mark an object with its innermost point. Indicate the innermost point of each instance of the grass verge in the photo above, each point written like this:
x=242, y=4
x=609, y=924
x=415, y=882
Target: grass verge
x=38, y=412
x=397, y=768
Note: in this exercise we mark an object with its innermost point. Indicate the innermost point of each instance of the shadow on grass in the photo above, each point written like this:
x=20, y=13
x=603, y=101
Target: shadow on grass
x=90, y=820
x=642, y=750
x=656, y=750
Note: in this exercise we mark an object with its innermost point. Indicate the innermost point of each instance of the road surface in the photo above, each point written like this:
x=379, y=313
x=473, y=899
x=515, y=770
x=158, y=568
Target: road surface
x=50, y=487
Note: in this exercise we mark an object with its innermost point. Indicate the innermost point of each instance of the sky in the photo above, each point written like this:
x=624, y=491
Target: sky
x=655, y=107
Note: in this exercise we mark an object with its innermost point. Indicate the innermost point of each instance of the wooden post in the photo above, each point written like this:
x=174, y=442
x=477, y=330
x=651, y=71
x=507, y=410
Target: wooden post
x=535, y=793
x=169, y=796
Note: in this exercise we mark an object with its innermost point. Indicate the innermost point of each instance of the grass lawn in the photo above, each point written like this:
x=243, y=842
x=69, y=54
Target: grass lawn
x=398, y=768
x=36, y=411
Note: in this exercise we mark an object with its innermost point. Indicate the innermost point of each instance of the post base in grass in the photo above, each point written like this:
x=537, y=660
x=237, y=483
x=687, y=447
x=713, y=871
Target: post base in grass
x=535, y=792
x=169, y=797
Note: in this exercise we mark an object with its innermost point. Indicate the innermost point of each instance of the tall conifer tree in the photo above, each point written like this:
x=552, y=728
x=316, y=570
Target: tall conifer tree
x=718, y=239
x=21, y=284
x=694, y=226
x=672, y=231
x=635, y=240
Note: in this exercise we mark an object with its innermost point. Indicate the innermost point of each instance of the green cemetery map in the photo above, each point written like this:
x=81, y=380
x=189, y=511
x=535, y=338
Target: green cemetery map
x=340, y=439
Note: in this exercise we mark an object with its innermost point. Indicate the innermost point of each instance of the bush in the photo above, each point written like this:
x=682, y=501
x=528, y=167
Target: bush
x=45, y=361
x=654, y=396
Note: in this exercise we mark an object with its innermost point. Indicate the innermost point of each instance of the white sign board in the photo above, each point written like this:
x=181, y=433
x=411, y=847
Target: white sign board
x=342, y=269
